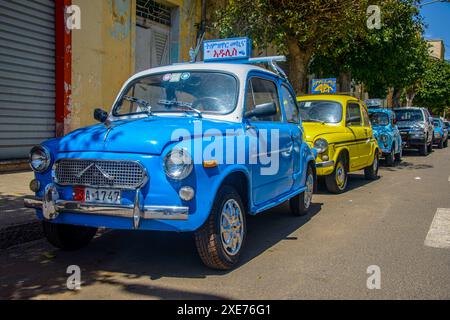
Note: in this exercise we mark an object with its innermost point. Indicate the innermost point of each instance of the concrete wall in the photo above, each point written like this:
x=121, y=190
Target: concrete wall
x=103, y=51
x=437, y=49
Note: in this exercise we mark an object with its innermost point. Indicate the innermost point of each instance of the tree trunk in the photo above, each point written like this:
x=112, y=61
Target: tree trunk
x=298, y=66
x=396, y=96
x=410, y=97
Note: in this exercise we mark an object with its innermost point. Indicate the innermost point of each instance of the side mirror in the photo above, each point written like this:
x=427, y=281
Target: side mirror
x=100, y=115
x=262, y=110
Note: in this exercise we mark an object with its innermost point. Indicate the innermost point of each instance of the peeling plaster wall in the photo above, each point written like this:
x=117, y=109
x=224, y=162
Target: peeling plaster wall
x=103, y=51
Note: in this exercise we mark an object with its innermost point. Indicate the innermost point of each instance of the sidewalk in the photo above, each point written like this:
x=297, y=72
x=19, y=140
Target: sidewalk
x=17, y=224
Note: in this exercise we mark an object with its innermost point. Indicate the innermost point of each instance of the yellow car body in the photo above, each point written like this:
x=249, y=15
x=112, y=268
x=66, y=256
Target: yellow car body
x=347, y=139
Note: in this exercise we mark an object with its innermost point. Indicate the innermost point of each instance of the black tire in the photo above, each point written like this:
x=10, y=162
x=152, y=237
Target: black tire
x=446, y=143
x=68, y=237
x=441, y=144
x=390, y=158
x=297, y=204
x=208, y=238
x=430, y=147
x=371, y=172
x=398, y=156
x=333, y=182
x=423, y=150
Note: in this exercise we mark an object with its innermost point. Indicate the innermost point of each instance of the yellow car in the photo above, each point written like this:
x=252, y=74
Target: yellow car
x=338, y=127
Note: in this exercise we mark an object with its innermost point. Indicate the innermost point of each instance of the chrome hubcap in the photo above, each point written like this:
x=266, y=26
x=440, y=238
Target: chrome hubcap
x=309, y=190
x=340, y=176
x=231, y=227
x=375, y=164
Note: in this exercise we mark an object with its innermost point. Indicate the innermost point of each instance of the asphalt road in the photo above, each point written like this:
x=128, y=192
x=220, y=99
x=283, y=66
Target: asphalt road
x=324, y=256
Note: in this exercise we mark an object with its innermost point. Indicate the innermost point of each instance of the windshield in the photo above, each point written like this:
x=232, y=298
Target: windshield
x=409, y=115
x=320, y=111
x=436, y=123
x=197, y=92
x=379, y=119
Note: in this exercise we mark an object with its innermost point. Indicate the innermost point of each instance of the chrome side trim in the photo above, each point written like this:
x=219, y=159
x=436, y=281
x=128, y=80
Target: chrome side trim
x=126, y=211
x=325, y=164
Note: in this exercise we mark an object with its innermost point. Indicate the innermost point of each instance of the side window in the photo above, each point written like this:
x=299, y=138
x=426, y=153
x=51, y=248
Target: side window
x=366, y=117
x=289, y=105
x=260, y=91
x=353, y=114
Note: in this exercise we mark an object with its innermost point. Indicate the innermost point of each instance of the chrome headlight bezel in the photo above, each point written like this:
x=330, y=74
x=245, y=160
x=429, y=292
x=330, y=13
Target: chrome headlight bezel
x=178, y=164
x=321, y=145
x=384, y=137
x=40, y=154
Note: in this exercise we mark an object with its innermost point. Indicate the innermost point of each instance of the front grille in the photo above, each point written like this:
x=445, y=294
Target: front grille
x=100, y=173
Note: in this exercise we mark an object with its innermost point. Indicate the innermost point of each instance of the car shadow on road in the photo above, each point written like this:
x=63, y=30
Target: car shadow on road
x=355, y=181
x=131, y=260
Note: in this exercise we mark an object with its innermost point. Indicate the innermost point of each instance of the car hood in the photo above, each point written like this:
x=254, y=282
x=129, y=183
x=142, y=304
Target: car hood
x=315, y=129
x=144, y=136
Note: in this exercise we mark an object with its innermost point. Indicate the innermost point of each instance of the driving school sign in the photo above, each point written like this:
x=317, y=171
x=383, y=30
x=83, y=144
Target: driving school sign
x=227, y=49
x=324, y=85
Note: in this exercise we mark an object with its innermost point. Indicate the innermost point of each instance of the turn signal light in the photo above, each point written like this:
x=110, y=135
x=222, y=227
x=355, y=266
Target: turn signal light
x=209, y=163
x=78, y=194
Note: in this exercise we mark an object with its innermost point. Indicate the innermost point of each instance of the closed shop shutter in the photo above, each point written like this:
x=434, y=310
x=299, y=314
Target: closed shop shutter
x=27, y=75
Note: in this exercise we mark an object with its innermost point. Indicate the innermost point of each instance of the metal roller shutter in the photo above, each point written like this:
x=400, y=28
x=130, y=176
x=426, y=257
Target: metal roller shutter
x=27, y=75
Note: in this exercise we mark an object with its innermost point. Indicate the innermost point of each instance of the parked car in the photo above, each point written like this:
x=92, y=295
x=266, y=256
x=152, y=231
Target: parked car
x=440, y=133
x=416, y=128
x=338, y=127
x=155, y=161
x=447, y=125
x=386, y=132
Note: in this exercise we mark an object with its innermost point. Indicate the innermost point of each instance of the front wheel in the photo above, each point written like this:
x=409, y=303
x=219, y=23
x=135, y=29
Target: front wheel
x=423, y=150
x=301, y=203
x=446, y=143
x=371, y=172
x=398, y=156
x=221, y=238
x=390, y=158
x=441, y=144
x=68, y=237
x=430, y=146
x=337, y=181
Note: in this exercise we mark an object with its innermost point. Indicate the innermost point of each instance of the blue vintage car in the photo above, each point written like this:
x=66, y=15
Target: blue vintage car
x=387, y=134
x=187, y=147
x=440, y=133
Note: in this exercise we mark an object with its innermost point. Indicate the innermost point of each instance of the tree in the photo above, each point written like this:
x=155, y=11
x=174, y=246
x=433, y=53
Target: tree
x=296, y=28
x=434, y=89
x=393, y=56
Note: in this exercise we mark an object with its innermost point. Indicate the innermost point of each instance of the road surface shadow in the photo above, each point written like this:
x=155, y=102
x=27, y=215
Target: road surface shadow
x=120, y=258
x=355, y=181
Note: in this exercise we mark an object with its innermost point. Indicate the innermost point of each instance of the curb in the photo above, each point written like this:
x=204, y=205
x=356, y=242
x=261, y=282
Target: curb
x=18, y=234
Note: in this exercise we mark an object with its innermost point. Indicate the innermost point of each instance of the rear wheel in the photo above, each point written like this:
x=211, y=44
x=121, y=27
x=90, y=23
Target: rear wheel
x=220, y=240
x=446, y=143
x=68, y=237
x=371, y=172
x=390, y=158
x=337, y=181
x=430, y=146
x=301, y=203
x=398, y=156
x=441, y=144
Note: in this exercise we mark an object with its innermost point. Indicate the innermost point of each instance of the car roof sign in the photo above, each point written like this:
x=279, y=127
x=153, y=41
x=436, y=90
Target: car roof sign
x=227, y=49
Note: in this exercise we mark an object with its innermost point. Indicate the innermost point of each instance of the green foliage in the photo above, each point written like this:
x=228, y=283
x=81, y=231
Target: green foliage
x=434, y=90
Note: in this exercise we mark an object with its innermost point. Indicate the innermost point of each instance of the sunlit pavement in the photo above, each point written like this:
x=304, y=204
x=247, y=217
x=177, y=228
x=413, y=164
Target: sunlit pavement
x=383, y=223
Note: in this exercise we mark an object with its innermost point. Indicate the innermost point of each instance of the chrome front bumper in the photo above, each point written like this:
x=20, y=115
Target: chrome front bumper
x=325, y=164
x=52, y=206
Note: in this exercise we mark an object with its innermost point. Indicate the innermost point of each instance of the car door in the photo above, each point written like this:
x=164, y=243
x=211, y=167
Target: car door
x=270, y=142
x=292, y=116
x=365, y=147
x=354, y=124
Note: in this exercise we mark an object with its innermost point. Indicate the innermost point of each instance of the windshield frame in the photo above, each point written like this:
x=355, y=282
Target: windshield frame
x=380, y=112
x=136, y=80
x=299, y=102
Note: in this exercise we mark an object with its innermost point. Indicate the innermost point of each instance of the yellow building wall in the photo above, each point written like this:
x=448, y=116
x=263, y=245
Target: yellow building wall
x=103, y=52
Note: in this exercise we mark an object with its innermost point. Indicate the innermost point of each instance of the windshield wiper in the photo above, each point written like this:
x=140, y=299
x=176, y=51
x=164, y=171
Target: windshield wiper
x=143, y=103
x=169, y=103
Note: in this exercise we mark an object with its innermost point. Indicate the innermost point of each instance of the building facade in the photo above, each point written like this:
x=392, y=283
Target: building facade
x=61, y=59
x=437, y=49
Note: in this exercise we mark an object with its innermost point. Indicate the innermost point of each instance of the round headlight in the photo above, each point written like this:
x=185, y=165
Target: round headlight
x=39, y=158
x=178, y=164
x=384, y=137
x=321, y=145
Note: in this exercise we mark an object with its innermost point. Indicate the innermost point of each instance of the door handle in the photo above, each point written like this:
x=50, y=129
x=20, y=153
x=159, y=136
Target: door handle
x=288, y=150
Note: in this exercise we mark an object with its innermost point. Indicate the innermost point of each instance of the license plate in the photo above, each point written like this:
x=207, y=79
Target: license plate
x=106, y=196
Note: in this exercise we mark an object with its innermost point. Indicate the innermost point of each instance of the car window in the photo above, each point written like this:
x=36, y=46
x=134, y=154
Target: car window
x=365, y=117
x=260, y=91
x=379, y=119
x=409, y=115
x=320, y=111
x=289, y=105
x=353, y=114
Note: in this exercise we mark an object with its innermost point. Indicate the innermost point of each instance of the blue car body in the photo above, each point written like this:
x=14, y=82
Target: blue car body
x=440, y=133
x=145, y=140
x=385, y=130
